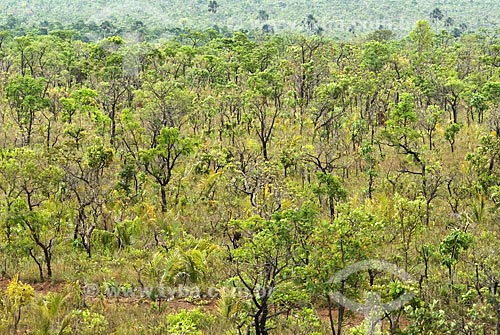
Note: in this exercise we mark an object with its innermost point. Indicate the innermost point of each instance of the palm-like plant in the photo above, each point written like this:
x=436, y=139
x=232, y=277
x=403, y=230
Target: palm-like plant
x=213, y=6
x=49, y=311
x=263, y=16
x=449, y=22
x=311, y=24
x=436, y=15
x=185, y=267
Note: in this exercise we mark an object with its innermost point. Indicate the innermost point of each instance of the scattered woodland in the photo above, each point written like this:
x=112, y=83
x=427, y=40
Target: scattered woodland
x=248, y=162
x=155, y=19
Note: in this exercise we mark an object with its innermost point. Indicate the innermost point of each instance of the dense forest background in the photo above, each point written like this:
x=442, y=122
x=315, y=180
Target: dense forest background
x=161, y=18
x=216, y=182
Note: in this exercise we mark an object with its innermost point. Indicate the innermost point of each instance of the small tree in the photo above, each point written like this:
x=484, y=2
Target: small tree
x=159, y=161
x=26, y=96
x=20, y=295
x=32, y=187
x=265, y=259
x=213, y=6
x=333, y=246
x=330, y=188
x=450, y=134
x=451, y=248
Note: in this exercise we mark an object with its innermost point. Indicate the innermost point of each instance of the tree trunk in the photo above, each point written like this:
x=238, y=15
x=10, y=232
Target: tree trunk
x=340, y=317
x=86, y=244
x=163, y=194
x=330, y=314
x=48, y=260
x=40, y=269
x=112, y=116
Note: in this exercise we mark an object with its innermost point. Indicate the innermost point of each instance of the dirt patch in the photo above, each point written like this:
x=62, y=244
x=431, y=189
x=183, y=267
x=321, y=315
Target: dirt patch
x=170, y=306
x=40, y=288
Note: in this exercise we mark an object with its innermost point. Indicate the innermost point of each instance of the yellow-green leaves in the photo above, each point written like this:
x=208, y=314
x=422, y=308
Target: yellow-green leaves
x=26, y=94
x=99, y=157
x=20, y=294
x=422, y=36
x=375, y=55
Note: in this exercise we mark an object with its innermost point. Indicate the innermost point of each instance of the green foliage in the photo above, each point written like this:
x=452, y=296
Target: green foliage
x=308, y=322
x=400, y=128
x=99, y=157
x=26, y=94
x=259, y=165
x=375, y=55
x=450, y=133
x=26, y=98
x=185, y=267
x=232, y=307
x=427, y=318
x=189, y=322
x=154, y=18
x=19, y=296
x=421, y=37
x=330, y=186
x=93, y=323
x=483, y=161
x=453, y=245
x=49, y=310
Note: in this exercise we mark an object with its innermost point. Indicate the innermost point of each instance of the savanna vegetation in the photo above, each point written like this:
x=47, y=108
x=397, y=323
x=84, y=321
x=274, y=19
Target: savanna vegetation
x=153, y=19
x=241, y=173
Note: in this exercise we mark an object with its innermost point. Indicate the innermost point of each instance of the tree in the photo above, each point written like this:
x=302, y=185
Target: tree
x=263, y=16
x=334, y=245
x=213, y=6
x=264, y=259
x=484, y=163
x=430, y=122
x=426, y=317
x=421, y=37
x=408, y=222
x=159, y=161
x=294, y=156
x=33, y=189
x=308, y=71
x=87, y=177
x=375, y=55
x=401, y=133
x=486, y=278
x=20, y=295
x=114, y=87
x=266, y=85
x=268, y=29
x=436, y=15
x=381, y=35
x=451, y=248
x=311, y=24
x=401, y=129
x=330, y=187
x=492, y=93
x=26, y=96
x=449, y=22
x=450, y=134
